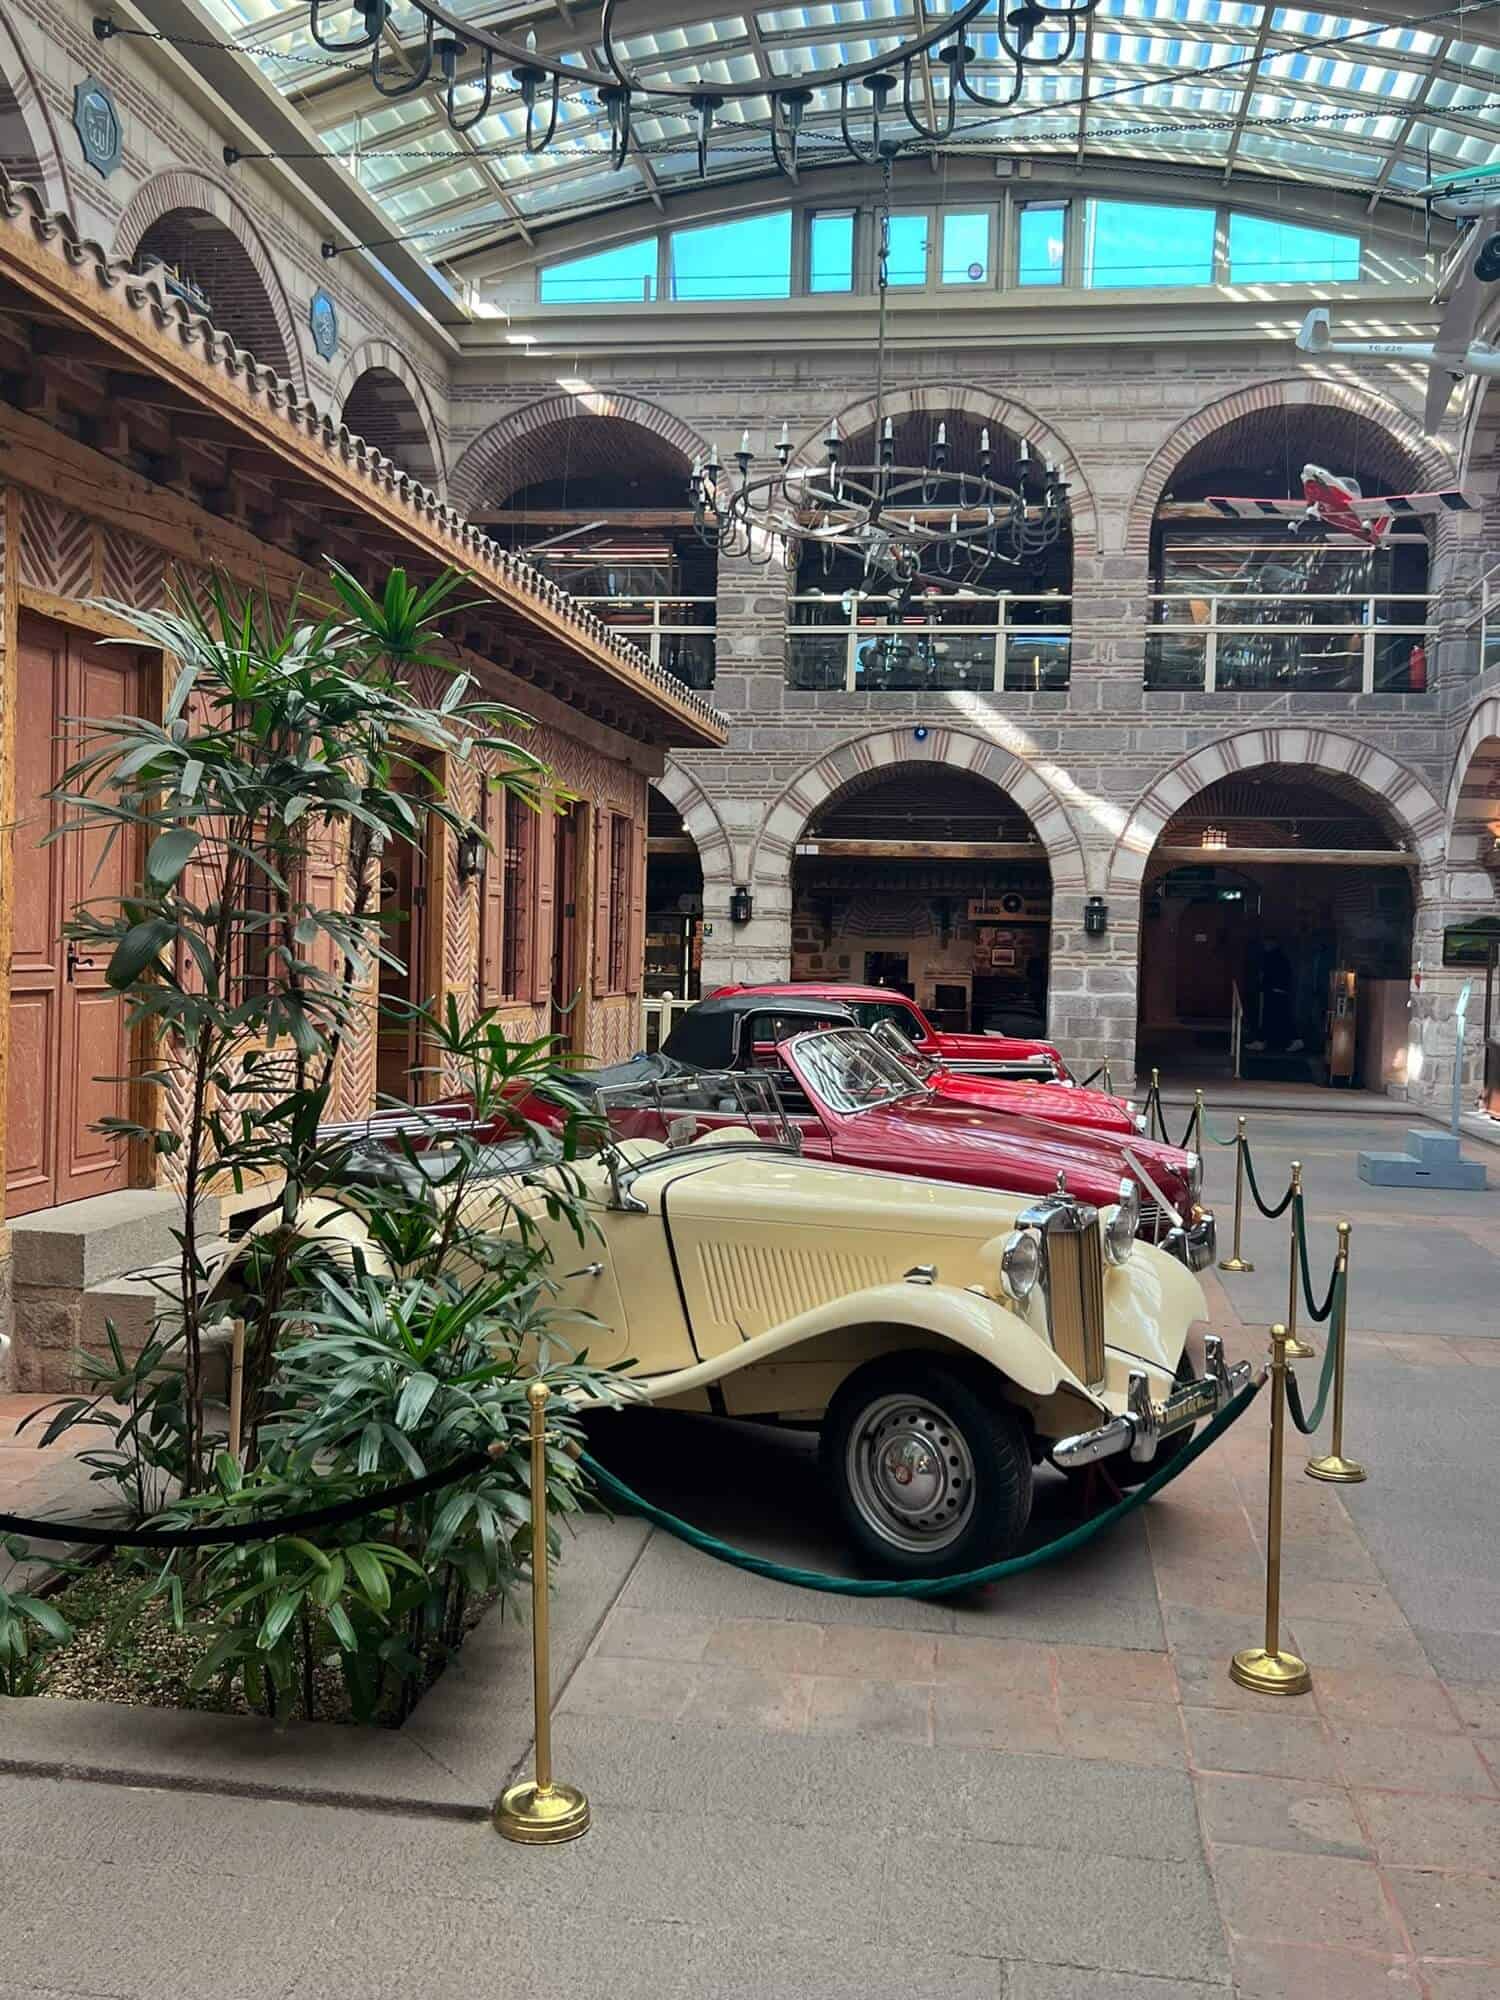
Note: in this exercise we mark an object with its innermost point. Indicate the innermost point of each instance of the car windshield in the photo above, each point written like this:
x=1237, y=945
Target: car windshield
x=894, y=1042
x=851, y=1072
x=887, y=1013
x=678, y=1111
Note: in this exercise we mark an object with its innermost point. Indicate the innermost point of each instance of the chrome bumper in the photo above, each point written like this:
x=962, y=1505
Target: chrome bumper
x=1143, y=1426
x=1198, y=1244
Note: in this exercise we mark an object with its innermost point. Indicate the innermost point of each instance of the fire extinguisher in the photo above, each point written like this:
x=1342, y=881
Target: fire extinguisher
x=1417, y=672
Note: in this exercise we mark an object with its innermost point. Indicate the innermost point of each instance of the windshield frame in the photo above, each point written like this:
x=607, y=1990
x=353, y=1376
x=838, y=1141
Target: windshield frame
x=796, y=1052
x=755, y=1096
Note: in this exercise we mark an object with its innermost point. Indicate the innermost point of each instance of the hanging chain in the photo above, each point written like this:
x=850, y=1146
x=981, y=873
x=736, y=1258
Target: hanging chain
x=882, y=286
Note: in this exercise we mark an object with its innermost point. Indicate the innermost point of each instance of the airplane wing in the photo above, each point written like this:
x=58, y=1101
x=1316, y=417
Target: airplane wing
x=1454, y=501
x=1240, y=509
x=1460, y=319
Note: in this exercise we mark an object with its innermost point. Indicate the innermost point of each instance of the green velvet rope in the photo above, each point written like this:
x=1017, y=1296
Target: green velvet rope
x=1269, y=1213
x=925, y=1586
x=1308, y=1422
x=1299, y=1226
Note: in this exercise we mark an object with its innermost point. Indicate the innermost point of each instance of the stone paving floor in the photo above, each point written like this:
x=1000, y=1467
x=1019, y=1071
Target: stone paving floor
x=1050, y=1791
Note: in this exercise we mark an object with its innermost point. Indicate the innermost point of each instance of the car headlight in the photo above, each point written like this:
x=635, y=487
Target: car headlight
x=1120, y=1230
x=1020, y=1264
x=1194, y=1175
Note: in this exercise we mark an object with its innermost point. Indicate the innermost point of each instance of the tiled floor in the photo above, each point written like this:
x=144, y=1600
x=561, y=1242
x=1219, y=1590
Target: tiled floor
x=1051, y=1792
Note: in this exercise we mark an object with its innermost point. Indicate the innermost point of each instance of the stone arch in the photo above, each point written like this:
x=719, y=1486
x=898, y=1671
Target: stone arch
x=1432, y=463
x=987, y=408
x=859, y=755
x=1464, y=829
x=29, y=150
x=184, y=190
x=1404, y=796
x=701, y=818
x=392, y=410
x=490, y=466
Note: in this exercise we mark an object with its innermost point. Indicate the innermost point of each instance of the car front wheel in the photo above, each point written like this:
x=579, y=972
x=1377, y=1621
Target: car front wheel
x=931, y=1476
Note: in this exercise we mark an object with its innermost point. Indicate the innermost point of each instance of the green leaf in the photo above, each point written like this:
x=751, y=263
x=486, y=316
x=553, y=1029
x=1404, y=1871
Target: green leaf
x=372, y=1577
x=40, y=1612
x=169, y=854
x=418, y=1393
x=277, y=1619
x=138, y=949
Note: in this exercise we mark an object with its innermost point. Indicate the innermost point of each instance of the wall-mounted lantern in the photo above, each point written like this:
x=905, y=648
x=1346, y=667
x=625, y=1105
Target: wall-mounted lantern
x=1095, y=917
x=741, y=906
x=470, y=854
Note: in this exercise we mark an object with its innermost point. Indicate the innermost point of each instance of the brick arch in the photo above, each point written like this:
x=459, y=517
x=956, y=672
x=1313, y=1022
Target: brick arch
x=1434, y=464
x=29, y=149
x=817, y=782
x=483, y=469
x=187, y=188
x=380, y=354
x=701, y=818
x=1405, y=797
x=1483, y=727
x=957, y=397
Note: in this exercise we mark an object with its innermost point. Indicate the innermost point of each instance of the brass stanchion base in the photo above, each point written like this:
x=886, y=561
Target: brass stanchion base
x=1269, y=1673
x=540, y=1818
x=1235, y=1264
x=1300, y=1350
x=1336, y=1469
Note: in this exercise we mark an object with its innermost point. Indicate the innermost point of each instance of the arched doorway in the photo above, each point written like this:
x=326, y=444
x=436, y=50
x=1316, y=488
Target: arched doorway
x=931, y=880
x=1471, y=946
x=382, y=410
x=674, y=904
x=600, y=502
x=1276, y=933
x=1276, y=605
x=206, y=265
x=1000, y=625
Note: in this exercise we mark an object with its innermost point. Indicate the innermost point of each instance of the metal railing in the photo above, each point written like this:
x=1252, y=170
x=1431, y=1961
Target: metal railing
x=1489, y=627
x=1014, y=645
x=1309, y=641
x=677, y=632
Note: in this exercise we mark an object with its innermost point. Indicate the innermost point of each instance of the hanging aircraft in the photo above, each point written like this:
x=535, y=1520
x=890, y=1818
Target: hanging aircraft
x=1335, y=503
x=1457, y=352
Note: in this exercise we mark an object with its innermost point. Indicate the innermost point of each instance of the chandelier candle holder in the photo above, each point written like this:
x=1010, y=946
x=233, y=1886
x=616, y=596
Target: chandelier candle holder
x=451, y=53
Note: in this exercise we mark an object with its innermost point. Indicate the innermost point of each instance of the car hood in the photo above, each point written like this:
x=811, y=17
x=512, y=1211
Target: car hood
x=958, y=1142
x=1094, y=1109
x=993, y=1048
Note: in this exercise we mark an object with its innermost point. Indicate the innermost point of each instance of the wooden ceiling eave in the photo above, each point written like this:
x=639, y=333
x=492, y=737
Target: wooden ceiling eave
x=89, y=339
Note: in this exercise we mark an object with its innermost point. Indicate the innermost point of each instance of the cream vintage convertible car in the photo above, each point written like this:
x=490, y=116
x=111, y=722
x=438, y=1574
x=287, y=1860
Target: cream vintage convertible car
x=943, y=1339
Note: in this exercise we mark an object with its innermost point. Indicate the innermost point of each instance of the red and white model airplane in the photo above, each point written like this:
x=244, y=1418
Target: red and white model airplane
x=1335, y=503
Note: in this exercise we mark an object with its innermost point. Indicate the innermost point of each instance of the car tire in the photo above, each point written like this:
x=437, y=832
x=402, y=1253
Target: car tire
x=967, y=1455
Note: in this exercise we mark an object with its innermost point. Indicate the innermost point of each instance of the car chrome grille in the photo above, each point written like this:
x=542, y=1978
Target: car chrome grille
x=1075, y=1296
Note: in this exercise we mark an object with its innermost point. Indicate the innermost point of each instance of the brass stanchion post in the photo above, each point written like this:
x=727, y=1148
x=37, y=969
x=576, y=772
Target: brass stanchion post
x=1296, y=1350
x=1335, y=1468
x=537, y=1811
x=1266, y=1669
x=1196, y=1124
x=1236, y=1261
x=1153, y=1106
x=1109, y=1082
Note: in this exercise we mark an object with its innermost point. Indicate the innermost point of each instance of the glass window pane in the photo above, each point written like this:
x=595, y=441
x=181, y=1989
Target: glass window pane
x=623, y=276
x=1265, y=252
x=966, y=249
x=1146, y=243
x=750, y=259
x=1042, y=237
x=907, y=264
x=830, y=254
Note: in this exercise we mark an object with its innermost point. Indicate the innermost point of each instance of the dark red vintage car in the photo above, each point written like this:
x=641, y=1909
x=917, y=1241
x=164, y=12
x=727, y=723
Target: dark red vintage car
x=855, y=1103
x=976, y=1055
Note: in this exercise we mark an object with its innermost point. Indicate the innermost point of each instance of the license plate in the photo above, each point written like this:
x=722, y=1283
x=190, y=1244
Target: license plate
x=1201, y=1399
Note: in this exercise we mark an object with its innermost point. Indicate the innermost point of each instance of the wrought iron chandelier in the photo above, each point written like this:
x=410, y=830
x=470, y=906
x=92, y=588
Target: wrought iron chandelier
x=933, y=523
x=455, y=55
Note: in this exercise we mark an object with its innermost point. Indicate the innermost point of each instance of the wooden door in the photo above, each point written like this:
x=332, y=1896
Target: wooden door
x=406, y=885
x=69, y=1043
x=1210, y=951
x=566, y=958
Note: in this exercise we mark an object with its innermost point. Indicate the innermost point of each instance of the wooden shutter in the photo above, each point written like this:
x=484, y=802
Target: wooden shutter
x=543, y=926
x=603, y=821
x=635, y=936
x=492, y=896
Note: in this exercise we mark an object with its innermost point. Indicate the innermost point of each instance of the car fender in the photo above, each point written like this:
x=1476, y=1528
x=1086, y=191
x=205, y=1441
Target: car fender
x=971, y=1320
x=320, y=1219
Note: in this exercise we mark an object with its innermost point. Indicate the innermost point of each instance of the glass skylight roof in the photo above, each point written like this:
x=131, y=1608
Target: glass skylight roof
x=1380, y=100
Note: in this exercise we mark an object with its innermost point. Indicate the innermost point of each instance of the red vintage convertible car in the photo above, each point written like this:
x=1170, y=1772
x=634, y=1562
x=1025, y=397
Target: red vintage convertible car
x=855, y=1103
x=974, y=1055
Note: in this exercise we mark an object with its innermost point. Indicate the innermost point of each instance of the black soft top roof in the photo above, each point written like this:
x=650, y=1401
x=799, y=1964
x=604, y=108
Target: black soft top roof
x=707, y=1035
